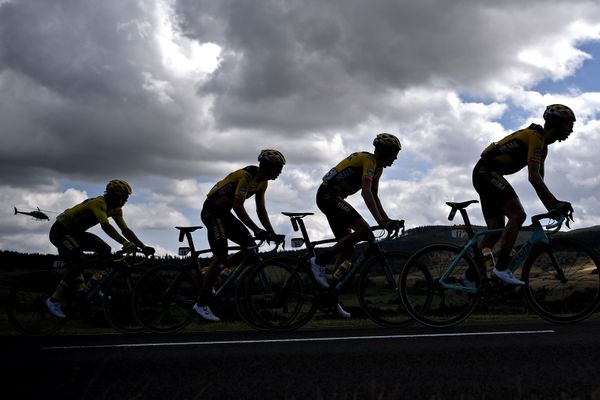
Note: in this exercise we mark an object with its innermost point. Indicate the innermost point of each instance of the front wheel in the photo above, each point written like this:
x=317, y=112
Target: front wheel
x=27, y=310
x=278, y=294
x=562, y=281
x=116, y=300
x=378, y=290
x=435, y=294
x=163, y=298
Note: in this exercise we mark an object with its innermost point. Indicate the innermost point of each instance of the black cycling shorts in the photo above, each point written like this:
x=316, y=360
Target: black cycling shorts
x=340, y=214
x=494, y=191
x=71, y=245
x=221, y=225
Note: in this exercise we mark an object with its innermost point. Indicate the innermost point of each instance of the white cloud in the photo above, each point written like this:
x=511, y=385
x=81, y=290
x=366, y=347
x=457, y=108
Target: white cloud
x=174, y=94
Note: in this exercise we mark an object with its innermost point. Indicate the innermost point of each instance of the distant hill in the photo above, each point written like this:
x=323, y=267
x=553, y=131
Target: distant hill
x=422, y=236
x=414, y=239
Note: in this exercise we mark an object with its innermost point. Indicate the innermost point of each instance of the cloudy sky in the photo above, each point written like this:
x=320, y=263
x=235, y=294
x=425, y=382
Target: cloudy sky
x=171, y=95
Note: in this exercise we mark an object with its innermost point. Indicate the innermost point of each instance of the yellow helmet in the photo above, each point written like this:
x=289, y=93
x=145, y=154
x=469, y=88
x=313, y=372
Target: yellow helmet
x=387, y=139
x=559, y=111
x=272, y=156
x=118, y=186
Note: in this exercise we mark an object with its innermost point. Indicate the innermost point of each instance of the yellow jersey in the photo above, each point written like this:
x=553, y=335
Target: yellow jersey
x=240, y=183
x=346, y=178
x=516, y=151
x=89, y=213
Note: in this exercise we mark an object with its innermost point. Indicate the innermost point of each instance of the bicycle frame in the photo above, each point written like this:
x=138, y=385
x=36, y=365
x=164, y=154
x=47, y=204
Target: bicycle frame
x=539, y=236
x=195, y=255
x=373, y=249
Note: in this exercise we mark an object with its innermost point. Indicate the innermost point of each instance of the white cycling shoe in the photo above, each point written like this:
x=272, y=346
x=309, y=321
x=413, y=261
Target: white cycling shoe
x=507, y=277
x=55, y=309
x=319, y=273
x=340, y=312
x=206, y=313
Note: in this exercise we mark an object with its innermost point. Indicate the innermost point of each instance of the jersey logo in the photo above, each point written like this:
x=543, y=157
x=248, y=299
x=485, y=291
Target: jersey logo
x=513, y=144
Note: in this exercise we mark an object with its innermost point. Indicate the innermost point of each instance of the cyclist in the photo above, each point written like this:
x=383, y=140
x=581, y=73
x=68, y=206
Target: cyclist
x=68, y=234
x=359, y=171
x=227, y=195
x=524, y=148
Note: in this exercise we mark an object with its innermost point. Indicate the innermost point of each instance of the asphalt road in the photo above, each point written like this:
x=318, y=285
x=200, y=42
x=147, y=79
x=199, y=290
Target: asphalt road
x=527, y=360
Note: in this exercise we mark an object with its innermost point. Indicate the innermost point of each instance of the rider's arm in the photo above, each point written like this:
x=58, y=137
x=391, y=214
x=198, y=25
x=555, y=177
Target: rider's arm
x=240, y=211
x=112, y=232
x=261, y=211
x=375, y=190
x=370, y=199
x=535, y=170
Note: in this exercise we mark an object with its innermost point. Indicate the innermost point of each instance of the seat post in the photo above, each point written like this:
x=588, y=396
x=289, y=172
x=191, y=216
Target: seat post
x=468, y=227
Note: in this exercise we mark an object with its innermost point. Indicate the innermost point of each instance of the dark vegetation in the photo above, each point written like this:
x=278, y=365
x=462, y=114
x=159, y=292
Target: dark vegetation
x=413, y=240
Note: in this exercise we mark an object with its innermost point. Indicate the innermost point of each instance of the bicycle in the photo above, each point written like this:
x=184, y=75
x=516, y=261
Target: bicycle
x=28, y=313
x=163, y=298
x=562, y=284
x=281, y=293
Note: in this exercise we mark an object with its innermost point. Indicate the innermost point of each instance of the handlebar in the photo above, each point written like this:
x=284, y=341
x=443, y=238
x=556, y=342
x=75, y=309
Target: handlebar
x=391, y=233
x=123, y=256
x=557, y=216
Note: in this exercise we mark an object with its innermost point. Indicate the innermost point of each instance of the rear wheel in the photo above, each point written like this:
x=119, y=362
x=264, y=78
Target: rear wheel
x=426, y=298
x=163, y=298
x=378, y=290
x=27, y=309
x=562, y=281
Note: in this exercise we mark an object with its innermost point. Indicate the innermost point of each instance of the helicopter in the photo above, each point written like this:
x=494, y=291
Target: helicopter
x=37, y=214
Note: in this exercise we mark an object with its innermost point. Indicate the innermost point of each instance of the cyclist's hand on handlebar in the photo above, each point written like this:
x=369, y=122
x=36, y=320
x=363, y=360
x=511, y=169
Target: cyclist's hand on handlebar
x=275, y=238
x=261, y=234
x=566, y=209
x=129, y=247
x=148, y=251
x=393, y=225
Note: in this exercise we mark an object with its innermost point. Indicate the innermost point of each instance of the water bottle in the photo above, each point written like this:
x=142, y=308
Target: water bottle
x=488, y=259
x=342, y=270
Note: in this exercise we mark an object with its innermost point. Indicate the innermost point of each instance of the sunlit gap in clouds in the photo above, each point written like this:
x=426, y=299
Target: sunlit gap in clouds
x=181, y=55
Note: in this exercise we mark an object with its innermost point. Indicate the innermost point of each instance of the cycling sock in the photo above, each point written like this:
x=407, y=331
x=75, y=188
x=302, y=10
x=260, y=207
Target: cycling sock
x=323, y=258
x=59, y=291
x=205, y=298
x=503, y=260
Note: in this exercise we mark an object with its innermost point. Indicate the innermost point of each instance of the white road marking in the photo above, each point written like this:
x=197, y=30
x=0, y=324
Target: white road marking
x=299, y=340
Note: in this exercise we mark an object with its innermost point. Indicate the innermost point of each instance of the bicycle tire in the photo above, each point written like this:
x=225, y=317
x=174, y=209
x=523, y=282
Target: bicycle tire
x=116, y=300
x=241, y=304
x=378, y=293
x=27, y=311
x=278, y=295
x=425, y=299
x=562, y=302
x=163, y=298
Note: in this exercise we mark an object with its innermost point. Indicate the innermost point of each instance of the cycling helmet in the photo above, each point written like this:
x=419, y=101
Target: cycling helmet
x=559, y=111
x=387, y=139
x=118, y=186
x=272, y=156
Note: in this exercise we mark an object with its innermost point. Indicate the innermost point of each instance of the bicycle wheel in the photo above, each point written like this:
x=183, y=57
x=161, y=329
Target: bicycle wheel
x=163, y=298
x=562, y=283
x=26, y=304
x=425, y=298
x=278, y=296
x=378, y=290
x=241, y=304
x=116, y=300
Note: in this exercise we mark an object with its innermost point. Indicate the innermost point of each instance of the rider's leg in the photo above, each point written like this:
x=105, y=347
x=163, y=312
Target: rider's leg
x=516, y=217
x=344, y=248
